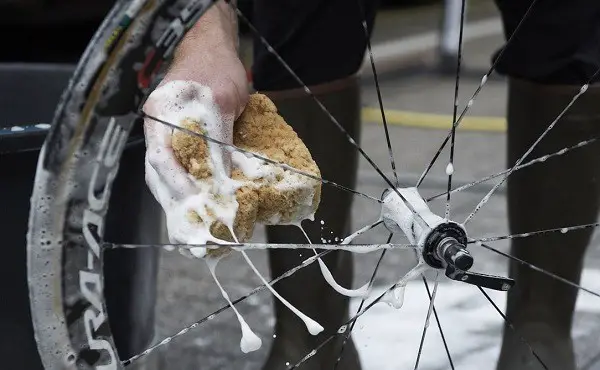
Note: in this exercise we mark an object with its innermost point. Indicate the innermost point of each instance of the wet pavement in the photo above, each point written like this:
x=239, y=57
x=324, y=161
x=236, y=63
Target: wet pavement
x=388, y=338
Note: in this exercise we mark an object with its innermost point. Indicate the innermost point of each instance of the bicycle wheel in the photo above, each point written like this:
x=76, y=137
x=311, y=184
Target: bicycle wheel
x=80, y=159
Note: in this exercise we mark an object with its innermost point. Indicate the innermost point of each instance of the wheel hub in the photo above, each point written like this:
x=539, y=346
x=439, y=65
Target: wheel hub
x=442, y=243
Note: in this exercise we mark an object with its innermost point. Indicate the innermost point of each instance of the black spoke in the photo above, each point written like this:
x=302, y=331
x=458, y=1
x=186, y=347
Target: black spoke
x=342, y=329
x=512, y=327
x=562, y=230
x=258, y=156
x=275, y=54
x=356, y=248
x=362, y=302
x=439, y=325
x=532, y=147
x=379, y=98
x=484, y=80
x=426, y=325
x=450, y=167
x=194, y=325
x=328, y=339
x=541, y=159
x=284, y=64
x=538, y=269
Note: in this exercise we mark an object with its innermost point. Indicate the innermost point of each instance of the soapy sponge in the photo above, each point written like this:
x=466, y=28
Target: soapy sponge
x=267, y=193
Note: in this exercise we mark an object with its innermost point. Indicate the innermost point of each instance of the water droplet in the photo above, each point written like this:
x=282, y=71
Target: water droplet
x=564, y=230
x=449, y=169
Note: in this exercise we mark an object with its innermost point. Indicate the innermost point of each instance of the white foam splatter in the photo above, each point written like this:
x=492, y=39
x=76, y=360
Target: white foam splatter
x=250, y=342
x=312, y=326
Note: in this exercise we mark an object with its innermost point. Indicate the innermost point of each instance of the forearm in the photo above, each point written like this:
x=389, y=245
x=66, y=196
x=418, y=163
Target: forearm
x=216, y=31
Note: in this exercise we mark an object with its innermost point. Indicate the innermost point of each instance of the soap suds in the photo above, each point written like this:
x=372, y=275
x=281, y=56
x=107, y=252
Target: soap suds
x=328, y=276
x=214, y=194
x=250, y=342
x=312, y=326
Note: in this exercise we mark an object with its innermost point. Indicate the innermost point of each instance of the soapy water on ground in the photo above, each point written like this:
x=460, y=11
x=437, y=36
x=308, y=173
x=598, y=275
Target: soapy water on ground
x=388, y=339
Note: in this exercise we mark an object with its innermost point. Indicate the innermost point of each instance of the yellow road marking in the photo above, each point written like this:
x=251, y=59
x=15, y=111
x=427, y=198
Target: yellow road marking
x=433, y=121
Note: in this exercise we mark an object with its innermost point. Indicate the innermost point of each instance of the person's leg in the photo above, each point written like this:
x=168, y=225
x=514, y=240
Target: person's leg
x=324, y=43
x=544, y=76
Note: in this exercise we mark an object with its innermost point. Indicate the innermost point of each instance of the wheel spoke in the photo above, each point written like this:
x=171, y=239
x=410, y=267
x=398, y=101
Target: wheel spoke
x=426, y=325
x=355, y=248
x=450, y=167
x=562, y=230
x=194, y=325
x=275, y=54
x=484, y=80
x=360, y=306
x=332, y=336
x=258, y=156
x=535, y=143
x=418, y=269
x=439, y=325
x=284, y=64
x=512, y=327
x=541, y=159
x=538, y=269
x=379, y=98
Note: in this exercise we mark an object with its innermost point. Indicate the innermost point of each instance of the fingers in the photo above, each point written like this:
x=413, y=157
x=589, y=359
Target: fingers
x=166, y=176
x=170, y=183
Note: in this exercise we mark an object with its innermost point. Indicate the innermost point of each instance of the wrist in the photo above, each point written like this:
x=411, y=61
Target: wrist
x=217, y=28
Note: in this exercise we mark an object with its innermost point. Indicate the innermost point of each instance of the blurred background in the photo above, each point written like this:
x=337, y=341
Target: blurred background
x=415, y=44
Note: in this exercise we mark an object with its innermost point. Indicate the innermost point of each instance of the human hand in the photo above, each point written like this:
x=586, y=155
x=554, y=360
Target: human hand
x=206, y=82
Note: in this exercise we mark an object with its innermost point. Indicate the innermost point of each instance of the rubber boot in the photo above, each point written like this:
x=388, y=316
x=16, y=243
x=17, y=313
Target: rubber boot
x=560, y=192
x=307, y=289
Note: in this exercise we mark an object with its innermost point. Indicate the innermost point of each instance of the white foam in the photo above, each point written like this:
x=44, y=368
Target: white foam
x=213, y=199
x=255, y=168
x=395, y=211
x=395, y=297
x=250, y=342
x=328, y=276
x=312, y=326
